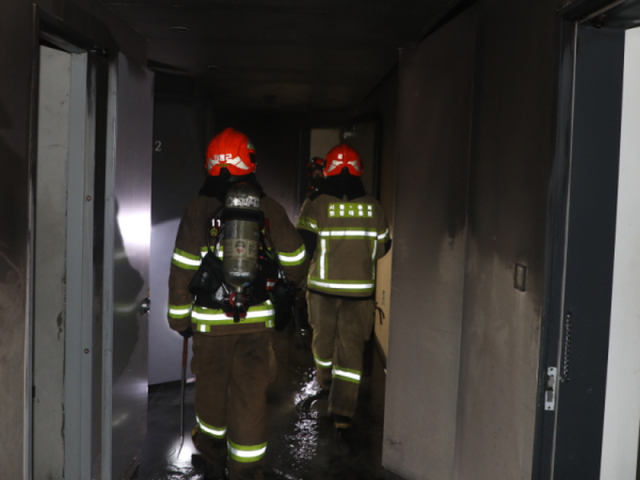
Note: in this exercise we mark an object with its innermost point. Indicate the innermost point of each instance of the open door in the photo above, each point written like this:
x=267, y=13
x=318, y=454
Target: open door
x=91, y=274
x=588, y=418
x=126, y=267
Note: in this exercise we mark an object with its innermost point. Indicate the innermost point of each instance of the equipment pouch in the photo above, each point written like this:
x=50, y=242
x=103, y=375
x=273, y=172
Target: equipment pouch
x=266, y=277
x=208, y=279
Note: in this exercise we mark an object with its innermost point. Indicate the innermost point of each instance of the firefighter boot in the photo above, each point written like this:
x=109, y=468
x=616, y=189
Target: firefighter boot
x=214, y=454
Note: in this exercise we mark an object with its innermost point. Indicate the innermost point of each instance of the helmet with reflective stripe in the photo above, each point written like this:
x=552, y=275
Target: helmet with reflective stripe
x=230, y=150
x=340, y=157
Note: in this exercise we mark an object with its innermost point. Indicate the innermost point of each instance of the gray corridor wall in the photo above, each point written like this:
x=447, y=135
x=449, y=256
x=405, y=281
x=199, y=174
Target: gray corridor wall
x=180, y=142
x=463, y=340
x=511, y=157
x=434, y=116
x=15, y=104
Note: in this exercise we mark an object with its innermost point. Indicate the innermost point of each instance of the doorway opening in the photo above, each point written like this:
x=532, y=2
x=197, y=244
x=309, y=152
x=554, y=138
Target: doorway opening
x=589, y=419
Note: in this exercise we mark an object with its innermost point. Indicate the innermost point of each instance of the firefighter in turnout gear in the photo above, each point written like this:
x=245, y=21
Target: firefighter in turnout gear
x=234, y=243
x=345, y=233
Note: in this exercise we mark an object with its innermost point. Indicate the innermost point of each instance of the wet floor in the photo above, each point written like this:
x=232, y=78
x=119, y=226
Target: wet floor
x=303, y=444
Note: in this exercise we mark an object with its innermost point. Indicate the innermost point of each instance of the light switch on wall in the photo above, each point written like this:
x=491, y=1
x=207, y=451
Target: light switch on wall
x=520, y=278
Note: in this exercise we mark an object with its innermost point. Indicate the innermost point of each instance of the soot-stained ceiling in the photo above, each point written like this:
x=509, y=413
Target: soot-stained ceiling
x=295, y=55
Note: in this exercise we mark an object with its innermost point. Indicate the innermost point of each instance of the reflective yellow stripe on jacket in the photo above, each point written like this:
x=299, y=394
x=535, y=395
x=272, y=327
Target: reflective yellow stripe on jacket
x=205, y=318
x=323, y=280
x=350, y=236
x=185, y=260
x=292, y=258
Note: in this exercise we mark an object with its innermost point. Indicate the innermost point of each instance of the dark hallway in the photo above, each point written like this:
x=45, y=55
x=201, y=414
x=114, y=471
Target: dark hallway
x=501, y=141
x=303, y=443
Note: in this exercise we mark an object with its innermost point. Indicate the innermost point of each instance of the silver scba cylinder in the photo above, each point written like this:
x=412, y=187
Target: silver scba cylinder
x=241, y=242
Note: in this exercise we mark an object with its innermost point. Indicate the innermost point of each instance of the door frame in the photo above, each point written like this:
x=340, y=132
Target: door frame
x=563, y=336
x=85, y=183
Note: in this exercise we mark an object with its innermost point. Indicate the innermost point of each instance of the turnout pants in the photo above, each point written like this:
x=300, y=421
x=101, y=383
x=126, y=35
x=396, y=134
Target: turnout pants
x=232, y=376
x=341, y=326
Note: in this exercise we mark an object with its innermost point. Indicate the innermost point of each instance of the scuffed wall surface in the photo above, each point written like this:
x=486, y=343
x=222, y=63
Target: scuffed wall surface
x=512, y=148
x=434, y=116
x=15, y=56
x=49, y=271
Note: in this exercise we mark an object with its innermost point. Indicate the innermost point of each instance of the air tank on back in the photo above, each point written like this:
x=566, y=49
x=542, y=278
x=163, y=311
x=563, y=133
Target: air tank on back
x=241, y=243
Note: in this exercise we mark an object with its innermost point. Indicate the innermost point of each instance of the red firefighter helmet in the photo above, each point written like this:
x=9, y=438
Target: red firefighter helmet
x=231, y=150
x=342, y=156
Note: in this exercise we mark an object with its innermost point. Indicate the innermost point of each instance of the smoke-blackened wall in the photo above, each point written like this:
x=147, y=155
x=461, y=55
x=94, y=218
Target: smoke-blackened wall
x=432, y=163
x=476, y=126
x=511, y=157
x=15, y=91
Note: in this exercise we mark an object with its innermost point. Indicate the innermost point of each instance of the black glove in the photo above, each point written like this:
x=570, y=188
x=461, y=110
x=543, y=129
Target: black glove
x=281, y=320
x=284, y=298
x=284, y=293
x=187, y=333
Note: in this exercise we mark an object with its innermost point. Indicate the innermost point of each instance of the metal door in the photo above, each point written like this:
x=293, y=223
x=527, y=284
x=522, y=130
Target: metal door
x=126, y=267
x=584, y=199
x=589, y=257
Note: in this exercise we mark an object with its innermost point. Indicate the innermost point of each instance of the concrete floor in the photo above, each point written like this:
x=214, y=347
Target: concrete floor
x=303, y=444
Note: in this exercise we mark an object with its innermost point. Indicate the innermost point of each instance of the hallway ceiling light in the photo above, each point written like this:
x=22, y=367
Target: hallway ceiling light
x=179, y=29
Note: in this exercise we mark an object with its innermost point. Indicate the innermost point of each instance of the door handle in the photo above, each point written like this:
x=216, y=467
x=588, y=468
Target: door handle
x=145, y=305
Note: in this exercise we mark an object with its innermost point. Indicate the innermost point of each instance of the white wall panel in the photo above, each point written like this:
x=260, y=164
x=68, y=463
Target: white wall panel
x=50, y=254
x=622, y=404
